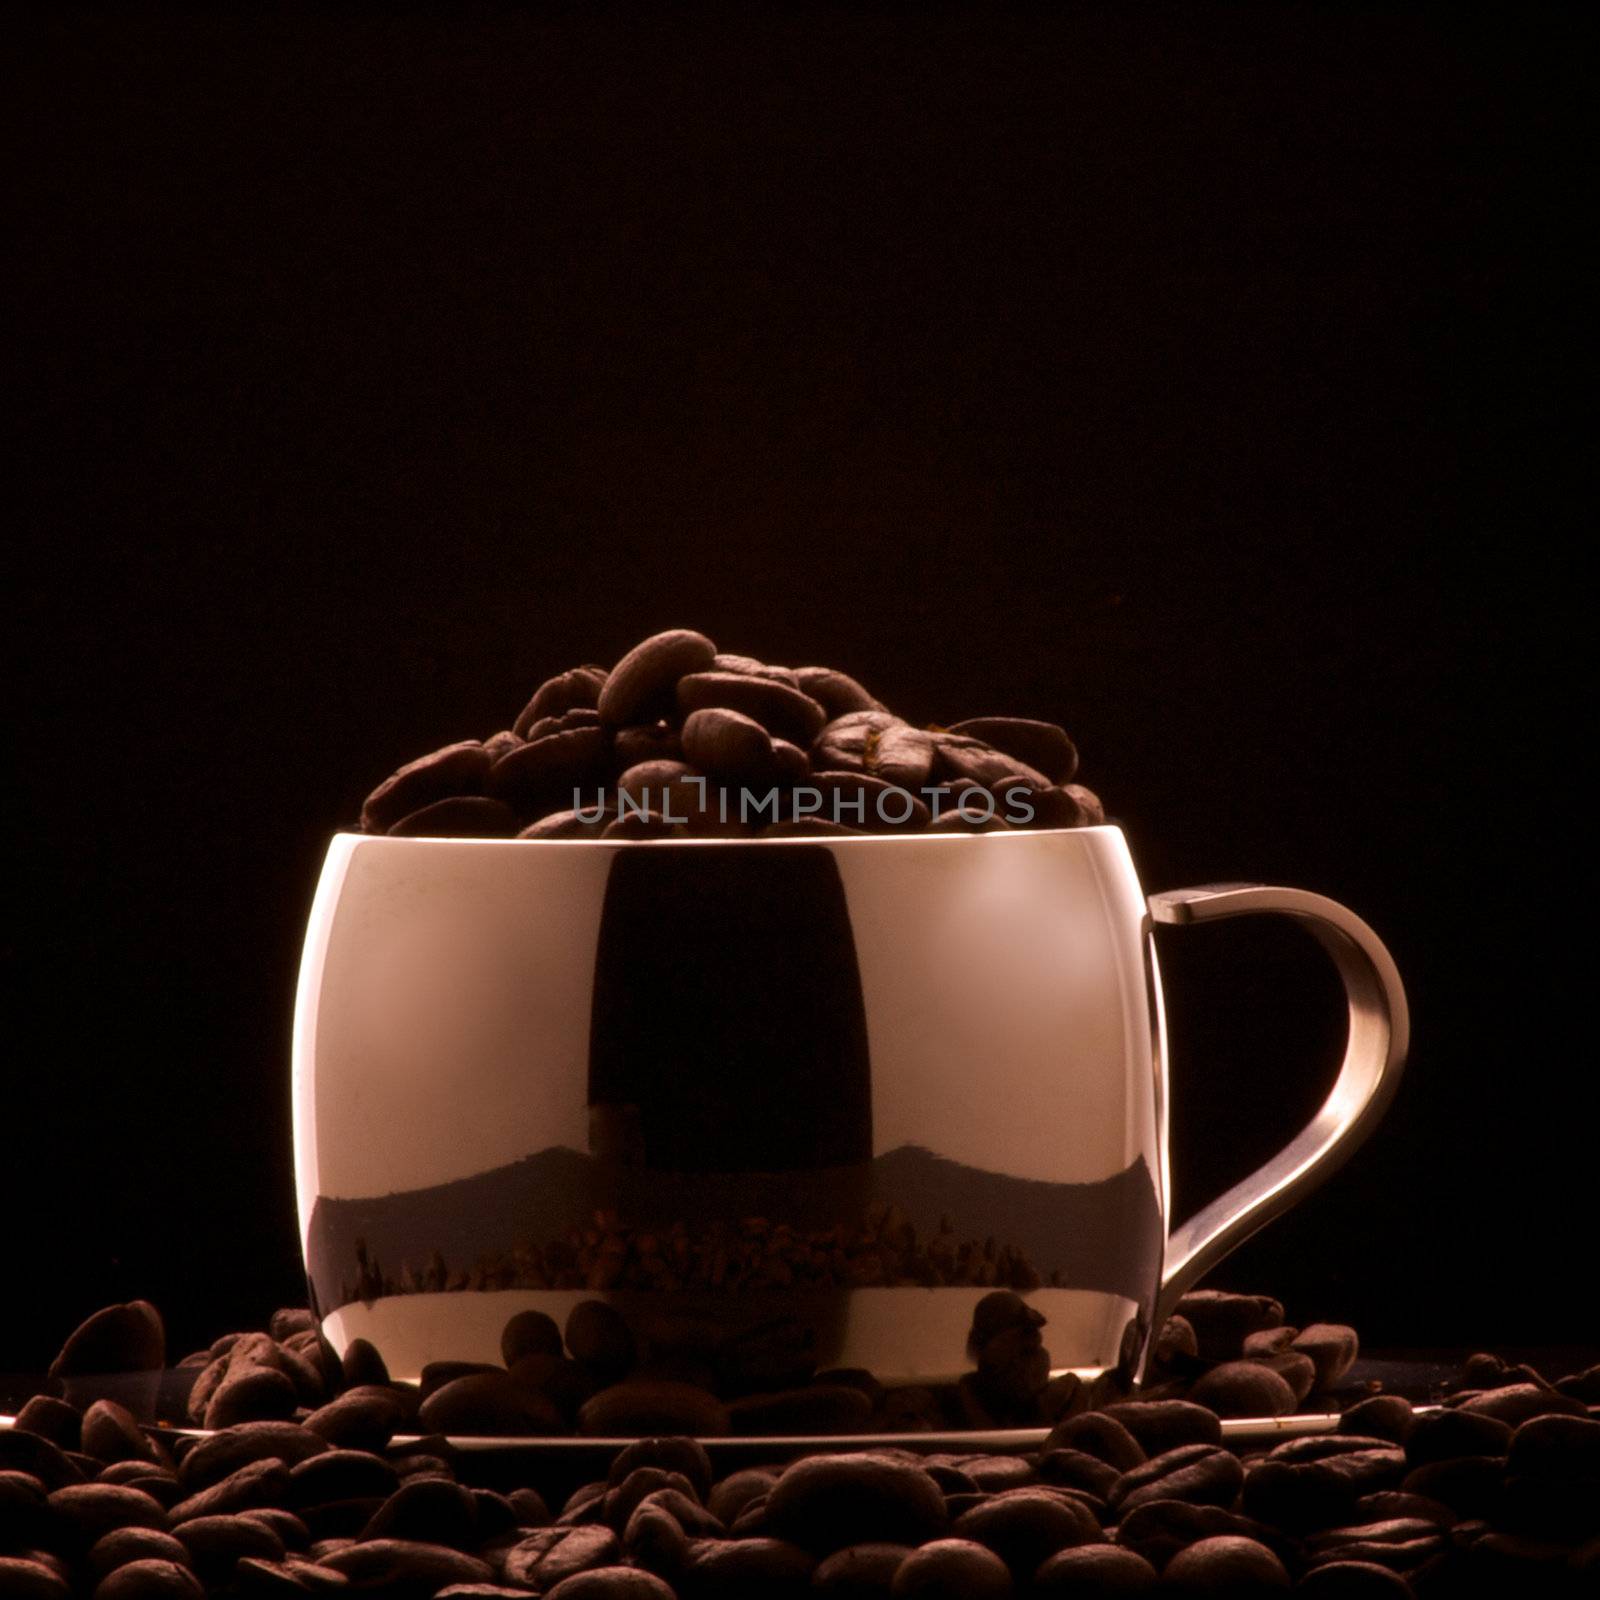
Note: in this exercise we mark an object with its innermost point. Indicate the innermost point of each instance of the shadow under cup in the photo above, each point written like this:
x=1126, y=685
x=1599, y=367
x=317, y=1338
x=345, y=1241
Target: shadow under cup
x=784, y=1103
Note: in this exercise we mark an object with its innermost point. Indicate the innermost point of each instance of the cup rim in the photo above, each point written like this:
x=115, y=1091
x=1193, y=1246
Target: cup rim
x=678, y=841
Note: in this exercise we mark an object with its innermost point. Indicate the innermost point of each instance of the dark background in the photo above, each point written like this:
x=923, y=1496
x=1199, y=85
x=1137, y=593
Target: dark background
x=1192, y=376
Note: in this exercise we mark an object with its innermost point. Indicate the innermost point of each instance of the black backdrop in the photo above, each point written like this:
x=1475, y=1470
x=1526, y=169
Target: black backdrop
x=1192, y=376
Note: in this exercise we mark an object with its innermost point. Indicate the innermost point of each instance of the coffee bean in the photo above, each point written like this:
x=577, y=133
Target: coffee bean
x=640, y=686
x=952, y=1569
x=456, y=770
x=363, y=1418
x=1025, y=1526
x=1161, y=1425
x=436, y=1374
x=655, y=1539
x=1228, y=1566
x=878, y=744
x=649, y=741
x=648, y=825
x=612, y=1583
x=288, y=1527
x=1202, y=1474
x=217, y=1544
x=211, y=1460
x=957, y=755
x=362, y=1364
x=253, y=1394
x=52, y=1419
x=598, y=1336
x=469, y=817
x=122, y=1545
x=1095, y=1572
x=860, y=1571
x=546, y=772
x=861, y=800
x=491, y=1403
x=150, y=1580
x=836, y=692
x=529, y=1333
x=567, y=691
x=1584, y=1386
x=402, y=1568
x=1091, y=812
x=261, y=1483
x=652, y=1406
x=621, y=1498
x=1222, y=1321
x=22, y=1579
x=1353, y=1580
x=1096, y=1434
x=429, y=1510
x=730, y=1495
x=1298, y=1371
x=1041, y=745
x=1243, y=1389
x=1553, y=1446
x=751, y=668
x=828, y=1501
x=784, y=712
x=569, y=824
x=545, y=1558
x=116, y=1341
x=1520, y=1402
x=111, y=1433
x=1385, y=1416
x=1301, y=1495
x=85, y=1511
x=1333, y=1349
x=728, y=746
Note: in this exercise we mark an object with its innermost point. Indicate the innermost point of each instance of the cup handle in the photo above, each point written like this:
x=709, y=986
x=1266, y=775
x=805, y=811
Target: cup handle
x=1374, y=1054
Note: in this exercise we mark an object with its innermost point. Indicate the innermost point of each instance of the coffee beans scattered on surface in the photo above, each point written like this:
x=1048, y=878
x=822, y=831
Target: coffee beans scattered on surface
x=1496, y=1492
x=678, y=740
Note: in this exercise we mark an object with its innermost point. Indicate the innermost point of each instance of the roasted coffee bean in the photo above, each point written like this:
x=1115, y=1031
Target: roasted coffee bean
x=491, y=1403
x=1584, y=1386
x=646, y=825
x=1202, y=1474
x=1161, y=1425
x=860, y=1571
x=1298, y=1371
x=650, y=741
x=468, y=817
x=730, y=1495
x=1076, y=1469
x=1025, y=1526
x=401, y=1568
x=590, y=824
x=1386, y=1504
x=1097, y=1434
x=544, y=1558
x=655, y=1539
x=1353, y=1580
x=85, y=1511
x=836, y=692
x=363, y=1418
x=598, y=1336
x=288, y=1527
x=640, y=687
x=122, y=1545
x=150, y=1580
x=1243, y=1389
x=1301, y=1495
x=1556, y=1446
x=567, y=691
x=990, y=1473
x=362, y=1364
x=1385, y=1416
x=22, y=1579
x=652, y=1406
x=752, y=668
x=1520, y=1402
x=952, y=1569
x=621, y=1498
x=1158, y=1529
x=1333, y=1349
x=261, y=1483
x=1041, y=745
x=785, y=712
x=1223, y=1321
x=546, y=772
x=456, y=770
x=1095, y=1572
x=728, y=746
x=429, y=1510
x=251, y=1394
x=1225, y=1566
x=52, y=1419
x=815, y=1409
x=1091, y=812
x=861, y=800
x=612, y=1583
x=529, y=1333
x=211, y=1460
x=828, y=1501
x=956, y=755
x=436, y=1374
x=672, y=1454
x=217, y=1544
x=878, y=744
x=112, y=1433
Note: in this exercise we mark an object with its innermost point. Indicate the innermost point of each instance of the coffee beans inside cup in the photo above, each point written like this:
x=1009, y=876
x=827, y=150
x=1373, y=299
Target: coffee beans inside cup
x=681, y=740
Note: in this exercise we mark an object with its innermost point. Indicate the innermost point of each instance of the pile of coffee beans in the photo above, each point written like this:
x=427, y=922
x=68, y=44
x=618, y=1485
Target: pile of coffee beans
x=678, y=739
x=885, y=1250
x=321, y=1475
